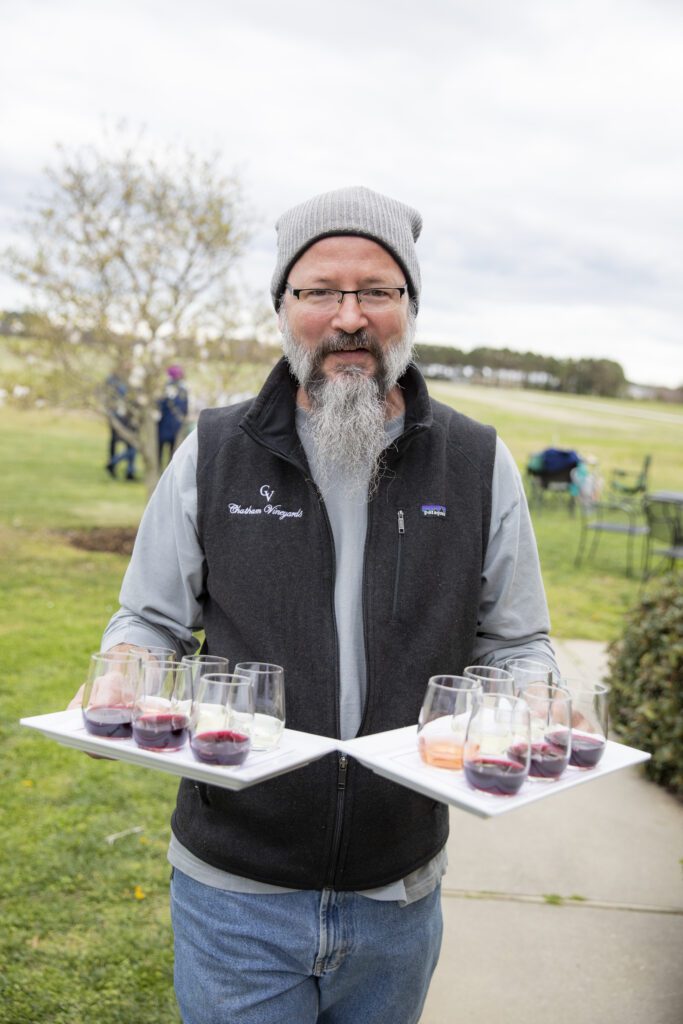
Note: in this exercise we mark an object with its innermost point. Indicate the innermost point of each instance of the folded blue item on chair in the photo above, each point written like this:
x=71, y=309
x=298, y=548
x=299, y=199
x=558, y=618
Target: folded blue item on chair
x=557, y=460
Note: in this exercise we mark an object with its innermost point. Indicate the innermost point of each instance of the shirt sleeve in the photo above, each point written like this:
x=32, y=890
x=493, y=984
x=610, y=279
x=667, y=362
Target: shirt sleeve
x=513, y=612
x=161, y=590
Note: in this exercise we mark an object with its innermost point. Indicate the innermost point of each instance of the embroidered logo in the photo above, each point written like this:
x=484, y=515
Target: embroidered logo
x=267, y=492
x=438, y=511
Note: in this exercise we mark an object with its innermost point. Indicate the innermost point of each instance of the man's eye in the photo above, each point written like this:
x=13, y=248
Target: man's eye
x=317, y=293
x=376, y=293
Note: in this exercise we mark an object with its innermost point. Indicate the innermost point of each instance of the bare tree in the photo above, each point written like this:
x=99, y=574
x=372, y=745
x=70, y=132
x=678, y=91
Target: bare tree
x=129, y=262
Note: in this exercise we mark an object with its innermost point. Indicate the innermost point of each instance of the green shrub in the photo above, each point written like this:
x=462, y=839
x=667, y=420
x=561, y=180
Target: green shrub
x=646, y=679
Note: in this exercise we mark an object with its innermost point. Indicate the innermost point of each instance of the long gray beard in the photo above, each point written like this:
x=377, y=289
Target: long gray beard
x=348, y=410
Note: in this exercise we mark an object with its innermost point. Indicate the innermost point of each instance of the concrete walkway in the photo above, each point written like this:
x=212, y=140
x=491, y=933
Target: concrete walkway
x=569, y=911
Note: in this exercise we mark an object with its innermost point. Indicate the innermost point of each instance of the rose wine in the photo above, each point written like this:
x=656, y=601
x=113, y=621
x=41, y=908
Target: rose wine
x=586, y=750
x=112, y=721
x=223, y=746
x=498, y=775
x=441, y=753
x=165, y=731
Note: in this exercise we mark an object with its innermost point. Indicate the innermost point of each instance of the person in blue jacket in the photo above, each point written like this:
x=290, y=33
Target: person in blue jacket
x=173, y=407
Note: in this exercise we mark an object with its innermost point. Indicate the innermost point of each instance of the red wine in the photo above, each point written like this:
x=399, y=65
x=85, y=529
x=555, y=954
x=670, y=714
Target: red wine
x=586, y=750
x=549, y=756
x=113, y=721
x=221, y=747
x=495, y=775
x=160, y=731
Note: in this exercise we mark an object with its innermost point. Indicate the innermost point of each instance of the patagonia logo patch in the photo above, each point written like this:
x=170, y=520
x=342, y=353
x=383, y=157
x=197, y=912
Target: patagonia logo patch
x=434, y=511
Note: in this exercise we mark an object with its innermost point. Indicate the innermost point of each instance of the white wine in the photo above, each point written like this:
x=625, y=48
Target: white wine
x=266, y=732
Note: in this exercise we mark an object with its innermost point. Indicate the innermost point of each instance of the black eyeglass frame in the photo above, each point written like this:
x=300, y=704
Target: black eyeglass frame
x=296, y=292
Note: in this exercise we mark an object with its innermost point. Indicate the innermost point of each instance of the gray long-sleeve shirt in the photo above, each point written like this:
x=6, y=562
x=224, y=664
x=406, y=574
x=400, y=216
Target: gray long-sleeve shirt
x=162, y=592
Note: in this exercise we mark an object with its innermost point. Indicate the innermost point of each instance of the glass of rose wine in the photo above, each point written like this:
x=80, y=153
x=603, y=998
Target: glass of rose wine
x=498, y=744
x=163, y=702
x=109, y=692
x=222, y=719
x=443, y=719
x=268, y=683
x=492, y=678
x=589, y=722
x=551, y=733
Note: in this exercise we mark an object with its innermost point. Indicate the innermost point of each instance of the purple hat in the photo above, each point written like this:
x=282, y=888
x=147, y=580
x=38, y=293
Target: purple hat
x=175, y=372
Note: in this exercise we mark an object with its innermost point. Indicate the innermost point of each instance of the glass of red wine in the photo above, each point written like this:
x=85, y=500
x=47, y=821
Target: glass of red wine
x=589, y=722
x=551, y=734
x=525, y=671
x=222, y=719
x=491, y=678
x=109, y=692
x=498, y=744
x=268, y=684
x=163, y=702
x=443, y=720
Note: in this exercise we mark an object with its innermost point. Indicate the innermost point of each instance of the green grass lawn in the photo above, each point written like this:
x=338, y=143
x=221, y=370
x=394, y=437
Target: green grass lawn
x=86, y=933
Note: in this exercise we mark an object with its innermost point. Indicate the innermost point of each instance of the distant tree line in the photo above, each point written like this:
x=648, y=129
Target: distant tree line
x=527, y=369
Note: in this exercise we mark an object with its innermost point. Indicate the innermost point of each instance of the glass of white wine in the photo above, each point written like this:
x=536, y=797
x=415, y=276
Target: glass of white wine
x=268, y=683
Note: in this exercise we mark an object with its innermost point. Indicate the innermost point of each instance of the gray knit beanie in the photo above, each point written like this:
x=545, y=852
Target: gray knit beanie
x=349, y=211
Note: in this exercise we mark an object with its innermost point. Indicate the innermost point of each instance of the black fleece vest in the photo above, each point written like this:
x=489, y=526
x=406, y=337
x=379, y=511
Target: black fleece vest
x=269, y=596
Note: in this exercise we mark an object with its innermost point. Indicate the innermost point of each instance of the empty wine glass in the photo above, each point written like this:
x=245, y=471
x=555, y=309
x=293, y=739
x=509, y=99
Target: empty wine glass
x=492, y=678
x=498, y=744
x=222, y=719
x=268, y=682
x=551, y=716
x=525, y=671
x=443, y=719
x=589, y=722
x=109, y=692
x=163, y=702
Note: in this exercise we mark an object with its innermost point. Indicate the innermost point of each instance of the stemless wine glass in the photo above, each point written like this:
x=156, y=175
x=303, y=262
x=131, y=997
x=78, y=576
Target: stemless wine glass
x=163, y=702
x=156, y=653
x=109, y=692
x=268, y=683
x=551, y=718
x=492, y=678
x=498, y=744
x=203, y=664
x=443, y=719
x=589, y=721
x=528, y=670
x=222, y=719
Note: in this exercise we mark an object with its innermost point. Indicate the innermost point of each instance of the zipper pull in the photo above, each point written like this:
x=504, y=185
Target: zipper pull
x=401, y=521
x=343, y=765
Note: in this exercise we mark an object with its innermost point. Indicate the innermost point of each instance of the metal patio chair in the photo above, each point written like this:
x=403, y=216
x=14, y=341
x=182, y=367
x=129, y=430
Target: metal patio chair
x=598, y=517
x=625, y=485
x=664, y=517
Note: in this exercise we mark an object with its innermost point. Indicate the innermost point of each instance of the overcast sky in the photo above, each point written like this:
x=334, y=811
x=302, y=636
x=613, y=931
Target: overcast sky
x=542, y=141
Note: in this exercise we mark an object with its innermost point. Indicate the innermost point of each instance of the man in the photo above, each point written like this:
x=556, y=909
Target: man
x=347, y=527
x=173, y=408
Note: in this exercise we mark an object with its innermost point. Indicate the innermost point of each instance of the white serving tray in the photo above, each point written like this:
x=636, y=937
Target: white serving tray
x=295, y=750
x=394, y=755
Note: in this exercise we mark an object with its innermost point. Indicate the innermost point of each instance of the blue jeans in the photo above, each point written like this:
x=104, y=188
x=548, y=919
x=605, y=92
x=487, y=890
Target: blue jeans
x=300, y=958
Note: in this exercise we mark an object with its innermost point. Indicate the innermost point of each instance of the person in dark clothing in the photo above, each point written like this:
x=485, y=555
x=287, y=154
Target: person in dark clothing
x=173, y=407
x=349, y=527
x=120, y=414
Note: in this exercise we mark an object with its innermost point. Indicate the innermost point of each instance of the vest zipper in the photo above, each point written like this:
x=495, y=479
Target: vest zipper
x=342, y=768
x=399, y=555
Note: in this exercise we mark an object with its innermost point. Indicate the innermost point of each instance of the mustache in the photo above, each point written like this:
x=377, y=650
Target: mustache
x=343, y=342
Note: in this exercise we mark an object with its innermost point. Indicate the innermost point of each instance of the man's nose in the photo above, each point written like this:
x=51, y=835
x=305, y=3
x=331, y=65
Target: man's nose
x=349, y=315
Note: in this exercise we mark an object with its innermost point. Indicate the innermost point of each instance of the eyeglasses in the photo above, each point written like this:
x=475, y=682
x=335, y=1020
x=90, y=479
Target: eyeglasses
x=324, y=300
